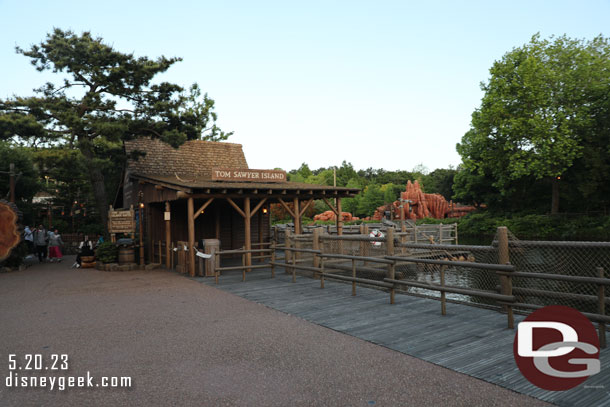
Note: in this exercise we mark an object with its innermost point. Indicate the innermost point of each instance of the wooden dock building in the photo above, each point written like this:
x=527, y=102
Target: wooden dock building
x=205, y=190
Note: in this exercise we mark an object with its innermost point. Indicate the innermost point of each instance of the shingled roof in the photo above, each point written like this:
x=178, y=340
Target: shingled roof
x=193, y=159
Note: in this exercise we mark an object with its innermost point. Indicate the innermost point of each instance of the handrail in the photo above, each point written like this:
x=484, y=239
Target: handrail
x=483, y=266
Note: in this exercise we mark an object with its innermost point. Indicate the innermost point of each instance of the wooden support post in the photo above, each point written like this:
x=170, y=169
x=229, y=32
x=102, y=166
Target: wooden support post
x=505, y=281
x=247, y=220
x=297, y=217
x=353, y=276
x=191, y=230
x=160, y=253
x=316, y=246
x=260, y=233
x=339, y=218
x=321, y=272
x=443, y=299
x=294, y=270
x=168, y=234
x=173, y=256
x=288, y=244
x=389, y=241
x=601, y=309
x=273, y=257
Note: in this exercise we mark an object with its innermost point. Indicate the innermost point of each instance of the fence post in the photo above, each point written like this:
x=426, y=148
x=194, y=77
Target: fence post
x=440, y=233
x=353, y=276
x=443, y=299
x=321, y=272
x=294, y=270
x=455, y=225
x=315, y=245
x=505, y=281
x=601, y=309
x=288, y=244
x=273, y=257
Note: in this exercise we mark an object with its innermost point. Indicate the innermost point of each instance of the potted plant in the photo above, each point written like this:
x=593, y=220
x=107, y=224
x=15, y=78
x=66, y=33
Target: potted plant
x=107, y=252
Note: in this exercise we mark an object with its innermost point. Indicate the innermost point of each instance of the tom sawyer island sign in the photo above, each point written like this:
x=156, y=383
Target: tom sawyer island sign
x=121, y=221
x=247, y=175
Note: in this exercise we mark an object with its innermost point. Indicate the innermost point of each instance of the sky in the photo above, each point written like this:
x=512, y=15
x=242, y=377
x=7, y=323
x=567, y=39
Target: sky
x=378, y=84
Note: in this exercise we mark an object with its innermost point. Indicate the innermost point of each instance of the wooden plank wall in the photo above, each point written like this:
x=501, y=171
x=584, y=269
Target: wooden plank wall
x=231, y=223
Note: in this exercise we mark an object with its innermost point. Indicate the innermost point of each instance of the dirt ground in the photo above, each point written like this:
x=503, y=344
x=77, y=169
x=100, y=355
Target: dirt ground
x=188, y=344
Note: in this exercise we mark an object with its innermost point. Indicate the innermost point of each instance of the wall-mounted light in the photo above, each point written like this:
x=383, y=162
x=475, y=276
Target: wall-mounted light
x=558, y=177
x=141, y=204
x=265, y=211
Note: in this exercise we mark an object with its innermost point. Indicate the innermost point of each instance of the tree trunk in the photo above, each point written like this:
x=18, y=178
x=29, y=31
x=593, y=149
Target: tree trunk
x=97, y=182
x=555, y=197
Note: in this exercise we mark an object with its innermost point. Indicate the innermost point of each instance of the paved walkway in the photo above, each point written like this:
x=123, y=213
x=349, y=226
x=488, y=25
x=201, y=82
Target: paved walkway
x=189, y=344
x=468, y=339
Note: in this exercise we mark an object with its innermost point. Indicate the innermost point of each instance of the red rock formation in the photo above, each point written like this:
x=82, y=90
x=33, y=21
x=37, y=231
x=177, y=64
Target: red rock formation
x=330, y=215
x=422, y=205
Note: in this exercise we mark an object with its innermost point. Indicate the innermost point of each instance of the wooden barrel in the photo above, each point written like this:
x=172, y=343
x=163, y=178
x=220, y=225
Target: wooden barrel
x=87, y=262
x=126, y=255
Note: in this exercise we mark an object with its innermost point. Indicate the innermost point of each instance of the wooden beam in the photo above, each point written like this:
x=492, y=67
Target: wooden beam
x=339, y=218
x=306, y=206
x=158, y=187
x=297, y=217
x=258, y=206
x=248, y=242
x=237, y=208
x=205, y=205
x=332, y=208
x=168, y=236
x=191, y=229
x=286, y=207
x=182, y=194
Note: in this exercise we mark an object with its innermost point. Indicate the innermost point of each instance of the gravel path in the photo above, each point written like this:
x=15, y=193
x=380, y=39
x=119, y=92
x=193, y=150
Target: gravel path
x=188, y=344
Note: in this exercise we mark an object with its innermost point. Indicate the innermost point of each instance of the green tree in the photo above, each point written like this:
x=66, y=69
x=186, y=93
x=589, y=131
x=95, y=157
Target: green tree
x=102, y=98
x=539, y=115
x=27, y=177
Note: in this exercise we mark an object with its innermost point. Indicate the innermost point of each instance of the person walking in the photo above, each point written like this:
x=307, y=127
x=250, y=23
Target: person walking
x=40, y=240
x=28, y=236
x=54, y=246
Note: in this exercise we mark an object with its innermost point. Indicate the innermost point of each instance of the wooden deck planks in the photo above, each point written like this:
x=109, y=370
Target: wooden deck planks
x=468, y=339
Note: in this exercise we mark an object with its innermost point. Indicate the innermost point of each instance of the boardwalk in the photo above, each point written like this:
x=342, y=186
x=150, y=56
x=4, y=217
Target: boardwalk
x=189, y=344
x=468, y=339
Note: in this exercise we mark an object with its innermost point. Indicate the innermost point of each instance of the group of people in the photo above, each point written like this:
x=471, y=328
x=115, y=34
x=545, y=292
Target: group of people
x=45, y=244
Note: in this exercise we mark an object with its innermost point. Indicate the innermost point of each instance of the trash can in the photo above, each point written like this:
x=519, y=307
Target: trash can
x=211, y=247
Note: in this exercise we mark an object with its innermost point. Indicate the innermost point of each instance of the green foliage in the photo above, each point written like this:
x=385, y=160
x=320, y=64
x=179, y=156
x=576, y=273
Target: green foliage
x=27, y=179
x=103, y=97
x=107, y=252
x=483, y=225
x=544, y=114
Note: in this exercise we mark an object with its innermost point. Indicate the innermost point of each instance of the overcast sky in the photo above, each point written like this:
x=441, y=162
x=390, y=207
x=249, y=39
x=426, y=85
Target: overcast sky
x=382, y=84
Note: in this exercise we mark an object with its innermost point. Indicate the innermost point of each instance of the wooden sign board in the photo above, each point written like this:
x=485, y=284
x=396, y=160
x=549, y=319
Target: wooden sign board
x=247, y=175
x=121, y=221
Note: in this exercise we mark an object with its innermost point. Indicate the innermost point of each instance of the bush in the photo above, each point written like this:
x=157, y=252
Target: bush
x=107, y=252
